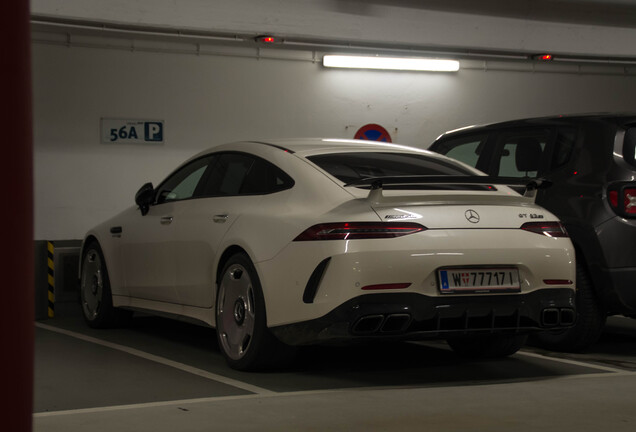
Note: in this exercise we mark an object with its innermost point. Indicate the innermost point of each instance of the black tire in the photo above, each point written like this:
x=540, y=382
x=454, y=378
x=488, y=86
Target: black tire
x=487, y=346
x=590, y=319
x=95, y=295
x=241, y=321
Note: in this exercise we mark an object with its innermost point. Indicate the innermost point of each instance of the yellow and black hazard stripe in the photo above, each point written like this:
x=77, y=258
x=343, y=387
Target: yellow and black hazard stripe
x=50, y=253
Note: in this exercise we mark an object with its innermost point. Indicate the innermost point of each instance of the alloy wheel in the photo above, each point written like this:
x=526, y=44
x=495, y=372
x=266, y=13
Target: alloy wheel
x=236, y=316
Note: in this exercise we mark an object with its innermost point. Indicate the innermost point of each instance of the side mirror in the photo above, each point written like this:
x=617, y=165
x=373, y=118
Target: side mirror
x=145, y=197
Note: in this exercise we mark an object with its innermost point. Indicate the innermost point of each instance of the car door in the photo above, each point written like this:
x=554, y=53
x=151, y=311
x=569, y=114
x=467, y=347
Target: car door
x=234, y=187
x=148, y=241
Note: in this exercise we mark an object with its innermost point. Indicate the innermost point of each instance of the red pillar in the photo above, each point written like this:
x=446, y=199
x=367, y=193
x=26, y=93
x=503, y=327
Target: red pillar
x=16, y=219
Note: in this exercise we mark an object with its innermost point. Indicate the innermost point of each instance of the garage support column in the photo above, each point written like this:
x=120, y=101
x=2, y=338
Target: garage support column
x=16, y=219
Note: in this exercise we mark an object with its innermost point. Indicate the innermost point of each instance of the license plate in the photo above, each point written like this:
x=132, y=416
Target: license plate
x=479, y=280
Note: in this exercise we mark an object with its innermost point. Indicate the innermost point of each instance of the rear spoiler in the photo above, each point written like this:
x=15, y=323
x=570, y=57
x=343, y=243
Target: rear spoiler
x=377, y=183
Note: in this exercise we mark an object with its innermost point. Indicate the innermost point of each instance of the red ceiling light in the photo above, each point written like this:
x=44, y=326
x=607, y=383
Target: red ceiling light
x=266, y=39
x=544, y=57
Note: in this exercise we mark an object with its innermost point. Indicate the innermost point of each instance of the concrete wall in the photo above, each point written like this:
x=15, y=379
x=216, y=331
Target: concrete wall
x=211, y=99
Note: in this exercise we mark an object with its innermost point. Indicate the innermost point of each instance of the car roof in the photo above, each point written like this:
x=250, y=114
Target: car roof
x=311, y=146
x=619, y=118
x=306, y=147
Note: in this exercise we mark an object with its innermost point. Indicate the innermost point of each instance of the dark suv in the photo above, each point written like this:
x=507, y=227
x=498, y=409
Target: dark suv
x=591, y=163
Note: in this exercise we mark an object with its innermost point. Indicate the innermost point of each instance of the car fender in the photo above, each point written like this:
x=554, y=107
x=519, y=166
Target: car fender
x=107, y=238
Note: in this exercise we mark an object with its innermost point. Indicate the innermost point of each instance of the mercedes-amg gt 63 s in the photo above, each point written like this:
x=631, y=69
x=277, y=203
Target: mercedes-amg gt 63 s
x=286, y=243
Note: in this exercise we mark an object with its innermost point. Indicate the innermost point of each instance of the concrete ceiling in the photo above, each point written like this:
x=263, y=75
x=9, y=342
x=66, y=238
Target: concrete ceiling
x=603, y=29
x=612, y=13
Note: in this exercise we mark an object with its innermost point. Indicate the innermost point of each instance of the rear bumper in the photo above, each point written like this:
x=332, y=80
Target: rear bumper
x=624, y=282
x=411, y=316
x=300, y=285
x=613, y=267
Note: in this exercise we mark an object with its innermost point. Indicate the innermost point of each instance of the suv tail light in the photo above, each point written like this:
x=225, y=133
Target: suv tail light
x=359, y=230
x=622, y=199
x=550, y=229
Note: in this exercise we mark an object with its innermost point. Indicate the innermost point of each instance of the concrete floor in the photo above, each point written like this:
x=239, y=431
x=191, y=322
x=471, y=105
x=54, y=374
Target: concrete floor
x=160, y=375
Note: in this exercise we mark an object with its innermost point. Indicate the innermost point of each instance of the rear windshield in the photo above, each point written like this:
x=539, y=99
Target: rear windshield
x=349, y=167
x=629, y=146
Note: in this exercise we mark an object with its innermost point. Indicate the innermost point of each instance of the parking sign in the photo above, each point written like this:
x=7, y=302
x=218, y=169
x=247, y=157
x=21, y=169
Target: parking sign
x=131, y=131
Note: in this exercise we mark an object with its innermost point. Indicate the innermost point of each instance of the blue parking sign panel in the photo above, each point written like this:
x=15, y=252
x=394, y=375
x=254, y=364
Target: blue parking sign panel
x=153, y=131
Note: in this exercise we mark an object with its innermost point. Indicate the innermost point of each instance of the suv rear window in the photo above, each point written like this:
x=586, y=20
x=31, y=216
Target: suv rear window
x=629, y=145
x=512, y=152
x=520, y=154
x=349, y=167
x=465, y=149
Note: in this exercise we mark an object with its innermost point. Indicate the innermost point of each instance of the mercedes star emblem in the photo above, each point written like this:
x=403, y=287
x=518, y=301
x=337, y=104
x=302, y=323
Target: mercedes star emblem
x=472, y=216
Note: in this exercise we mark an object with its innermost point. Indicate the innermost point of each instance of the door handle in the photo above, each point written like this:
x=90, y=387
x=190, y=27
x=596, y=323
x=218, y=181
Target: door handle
x=166, y=220
x=220, y=218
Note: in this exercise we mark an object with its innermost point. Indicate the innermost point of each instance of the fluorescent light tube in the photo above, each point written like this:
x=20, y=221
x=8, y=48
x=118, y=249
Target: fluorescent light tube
x=391, y=63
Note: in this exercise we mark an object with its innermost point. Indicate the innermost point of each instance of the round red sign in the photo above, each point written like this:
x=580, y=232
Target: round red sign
x=373, y=132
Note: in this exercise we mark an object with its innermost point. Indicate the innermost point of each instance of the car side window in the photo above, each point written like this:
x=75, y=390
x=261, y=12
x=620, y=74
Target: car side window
x=521, y=154
x=243, y=174
x=183, y=183
x=464, y=149
x=563, y=146
x=264, y=178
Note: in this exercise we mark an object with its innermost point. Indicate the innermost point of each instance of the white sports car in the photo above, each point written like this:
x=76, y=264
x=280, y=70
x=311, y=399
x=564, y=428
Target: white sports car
x=295, y=242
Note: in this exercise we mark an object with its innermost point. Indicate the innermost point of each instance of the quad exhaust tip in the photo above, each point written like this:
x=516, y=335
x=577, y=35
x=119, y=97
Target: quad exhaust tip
x=396, y=323
x=552, y=317
x=392, y=323
x=368, y=324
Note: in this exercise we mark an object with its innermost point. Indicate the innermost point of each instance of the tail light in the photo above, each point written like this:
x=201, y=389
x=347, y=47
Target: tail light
x=359, y=230
x=622, y=199
x=550, y=229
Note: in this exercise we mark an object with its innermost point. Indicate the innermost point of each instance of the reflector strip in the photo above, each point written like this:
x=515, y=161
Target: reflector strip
x=557, y=282
x=613, y=198
x=386, y=286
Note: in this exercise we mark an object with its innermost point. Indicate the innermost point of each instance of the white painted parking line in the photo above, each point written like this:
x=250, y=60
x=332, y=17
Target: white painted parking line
x=604, y=375
x=576, y=363
x=183, y=402
x=606, y=369
x=259, y=392
x=161, y=360
x=142, y=405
